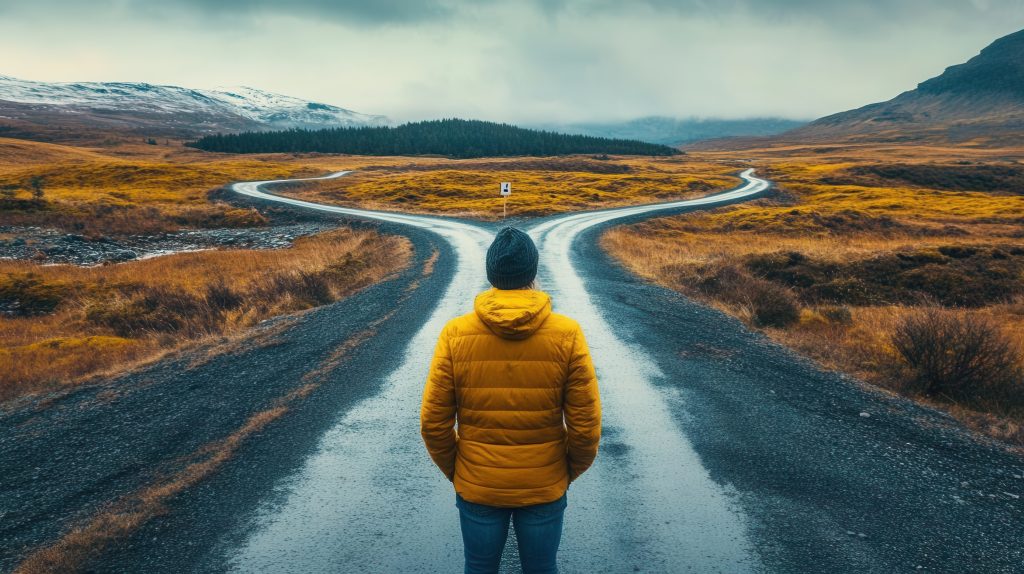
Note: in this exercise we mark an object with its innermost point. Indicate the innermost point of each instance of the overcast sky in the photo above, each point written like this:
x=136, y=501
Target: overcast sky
x=520, y=61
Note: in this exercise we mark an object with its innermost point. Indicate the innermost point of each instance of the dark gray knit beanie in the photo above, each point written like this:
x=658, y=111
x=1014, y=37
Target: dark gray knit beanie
x=511, y=259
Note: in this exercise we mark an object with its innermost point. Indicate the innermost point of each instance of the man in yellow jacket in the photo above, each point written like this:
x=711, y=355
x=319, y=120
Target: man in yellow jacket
x=511, y=412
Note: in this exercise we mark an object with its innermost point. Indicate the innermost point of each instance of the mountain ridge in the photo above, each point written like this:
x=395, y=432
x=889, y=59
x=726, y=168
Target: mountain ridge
x=981, y=101
x=47, y=108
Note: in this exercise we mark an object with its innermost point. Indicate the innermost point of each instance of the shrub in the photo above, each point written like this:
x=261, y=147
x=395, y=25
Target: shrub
x=29, y=294
x=346, y=268
x=244, y=218
x=154, y=310
x=810, y=318
x=773, y=306
x=311, y=288
x=959, y=356
x=839, y=315
x=726, y=282
x=770, y=305
x=306, y=288
x=221, y=297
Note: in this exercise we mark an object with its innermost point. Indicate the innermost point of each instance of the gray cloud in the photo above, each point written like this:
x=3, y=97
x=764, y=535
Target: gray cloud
x=842, y=13
x=351, y=11
x=878, y=11
x=521, y=61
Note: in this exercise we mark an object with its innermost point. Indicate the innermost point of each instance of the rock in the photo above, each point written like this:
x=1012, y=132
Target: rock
x=123, y=255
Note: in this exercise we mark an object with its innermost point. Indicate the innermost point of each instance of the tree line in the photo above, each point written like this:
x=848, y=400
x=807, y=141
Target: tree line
x=449, y=137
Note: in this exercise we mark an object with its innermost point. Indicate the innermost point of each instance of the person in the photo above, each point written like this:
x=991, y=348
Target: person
x=511, y=412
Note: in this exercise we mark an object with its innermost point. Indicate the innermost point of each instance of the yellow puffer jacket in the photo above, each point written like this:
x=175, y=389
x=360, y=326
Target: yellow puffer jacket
x=519, y=381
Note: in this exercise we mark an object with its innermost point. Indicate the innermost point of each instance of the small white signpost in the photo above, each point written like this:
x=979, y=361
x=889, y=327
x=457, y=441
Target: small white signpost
x=506, y=190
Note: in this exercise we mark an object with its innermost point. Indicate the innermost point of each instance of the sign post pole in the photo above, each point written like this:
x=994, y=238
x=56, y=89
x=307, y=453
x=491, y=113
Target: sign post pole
x=506, y=190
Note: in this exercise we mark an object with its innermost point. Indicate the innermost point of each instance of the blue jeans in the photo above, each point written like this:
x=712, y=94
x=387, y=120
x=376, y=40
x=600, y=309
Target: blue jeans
x=485, y=528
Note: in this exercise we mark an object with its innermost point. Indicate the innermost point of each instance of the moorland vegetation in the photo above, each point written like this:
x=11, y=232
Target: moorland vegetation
x=903, y=265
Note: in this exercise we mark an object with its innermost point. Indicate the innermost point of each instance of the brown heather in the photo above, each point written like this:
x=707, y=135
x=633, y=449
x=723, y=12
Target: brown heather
x=882, y=250
x=98, y=320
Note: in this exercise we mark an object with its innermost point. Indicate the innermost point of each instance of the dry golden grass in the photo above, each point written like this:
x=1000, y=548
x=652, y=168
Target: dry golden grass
x=132, y=174
x=469, y=188
x=818, y=216
x=99, y=322
x=135, y=188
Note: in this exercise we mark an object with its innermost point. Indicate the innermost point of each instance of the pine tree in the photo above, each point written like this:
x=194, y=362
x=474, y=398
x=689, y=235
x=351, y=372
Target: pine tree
x=449, y=137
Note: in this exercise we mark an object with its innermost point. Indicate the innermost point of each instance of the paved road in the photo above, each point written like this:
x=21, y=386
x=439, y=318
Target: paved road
x=333, y=517
x=722, y=452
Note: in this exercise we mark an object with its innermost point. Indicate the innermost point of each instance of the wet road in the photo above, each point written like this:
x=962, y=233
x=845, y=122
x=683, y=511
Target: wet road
x=370, y=501
x=721, y=451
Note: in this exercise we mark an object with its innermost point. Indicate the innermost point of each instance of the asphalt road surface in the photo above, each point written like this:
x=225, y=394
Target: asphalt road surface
x=721, y=452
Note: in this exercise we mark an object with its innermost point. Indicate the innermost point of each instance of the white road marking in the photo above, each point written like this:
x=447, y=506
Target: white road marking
x=370, y=500
x=652, y=497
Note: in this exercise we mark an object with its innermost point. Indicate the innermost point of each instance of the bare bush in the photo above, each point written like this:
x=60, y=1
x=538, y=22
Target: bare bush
x=770, y=305
x=773, y=306
x=154, y=310
x=220, y=296
x=959, y=356
x=838, y=315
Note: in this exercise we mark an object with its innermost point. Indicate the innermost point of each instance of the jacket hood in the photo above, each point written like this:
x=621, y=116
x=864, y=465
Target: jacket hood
x=514, y=313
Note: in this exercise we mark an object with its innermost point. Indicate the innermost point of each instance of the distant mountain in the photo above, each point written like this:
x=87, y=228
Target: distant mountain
x=53, y=110
x=676, y=131
x=981, y=100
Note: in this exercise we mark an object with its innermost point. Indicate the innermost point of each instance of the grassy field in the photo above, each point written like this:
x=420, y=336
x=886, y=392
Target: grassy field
x=901, y=265
x=137, y=188
x=81, y=322
x=143, y=189
x=74, y=323
x=540, y=186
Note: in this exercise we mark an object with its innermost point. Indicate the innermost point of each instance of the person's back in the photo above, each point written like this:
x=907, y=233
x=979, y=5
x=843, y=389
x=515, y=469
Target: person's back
x=520, y=383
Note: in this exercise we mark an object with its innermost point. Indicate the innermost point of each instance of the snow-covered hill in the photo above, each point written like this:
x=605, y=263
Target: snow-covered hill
x=280, y=111
x=173, y=107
